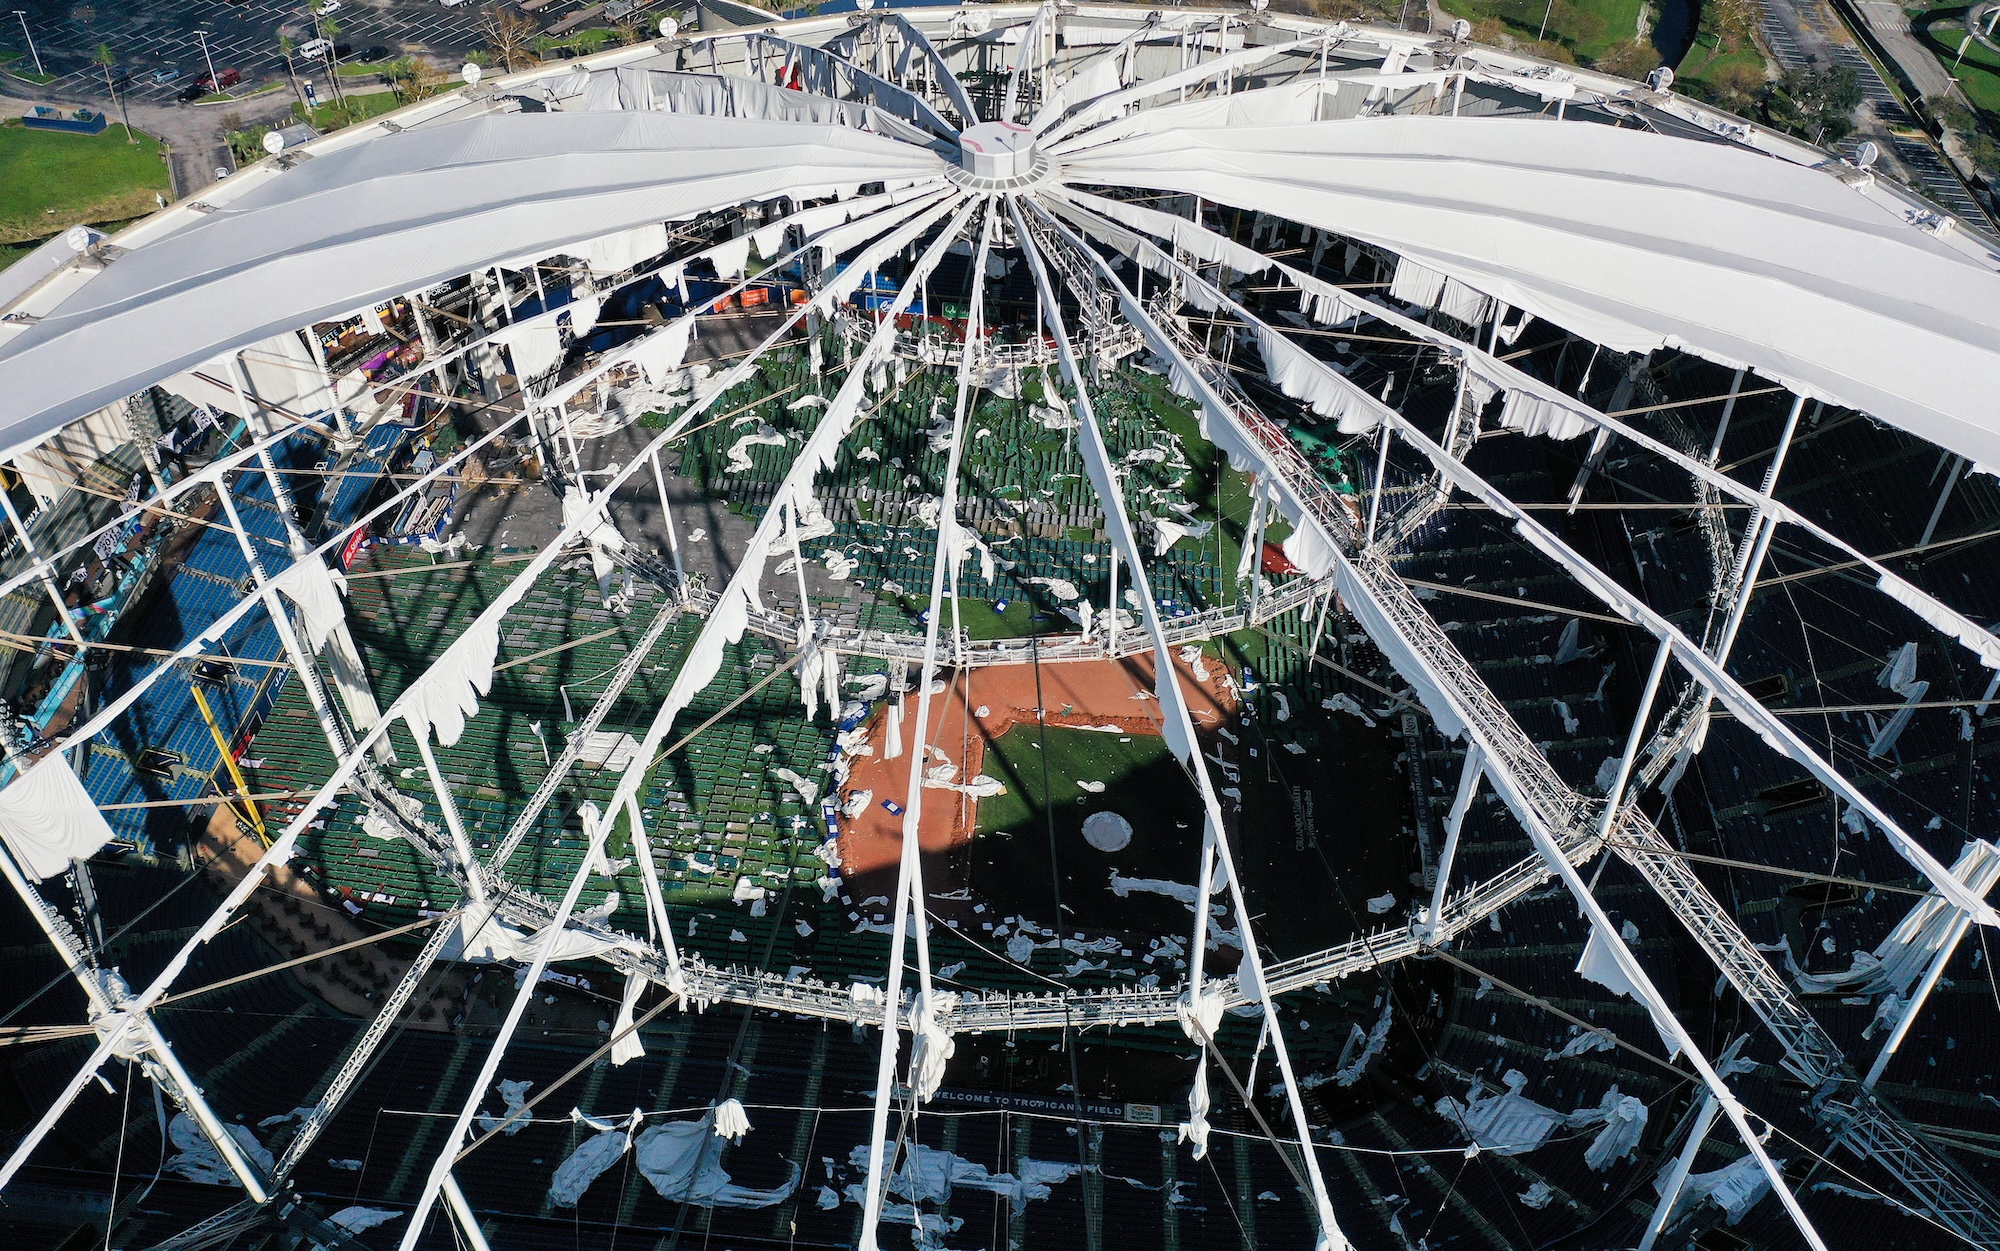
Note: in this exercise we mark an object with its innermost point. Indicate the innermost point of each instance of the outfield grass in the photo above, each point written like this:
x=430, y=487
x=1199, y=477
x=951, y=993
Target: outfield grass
x=50, y=180
x=1142, y=783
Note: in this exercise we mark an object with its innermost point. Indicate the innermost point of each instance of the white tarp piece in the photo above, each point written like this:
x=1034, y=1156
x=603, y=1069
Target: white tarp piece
x=930, y=1175
x=1598, y=965
x=315, y=591
x=1901, y=958
x=196, y=1158
x=359, y=1220
x=1735, y=1188
x=534, y=346
x=1107, y=831
x=483, y=938
x=585, y=1165
x=628, y=1046
x=621, y=251
x=47, y=819
x=1506, y=1124
x=592, y=1158
x=683, y=1161
x=514, y=1115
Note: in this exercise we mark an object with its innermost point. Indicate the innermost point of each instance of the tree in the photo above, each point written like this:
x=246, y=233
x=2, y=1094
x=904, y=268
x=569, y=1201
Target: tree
x=1734, y=20
x=1736, y=85
x=1817, y=105
x=329, y=30
x=510, y=36
x=288, y=48
x=105, y=59
x=1634, y=59
x=414, y=78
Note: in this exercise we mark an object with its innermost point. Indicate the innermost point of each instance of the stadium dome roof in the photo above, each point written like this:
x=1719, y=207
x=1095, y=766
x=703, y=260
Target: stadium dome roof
x=1690, y=231
x=1494, y=190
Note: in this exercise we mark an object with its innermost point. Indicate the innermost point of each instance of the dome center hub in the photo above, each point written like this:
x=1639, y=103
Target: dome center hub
x=997, y=150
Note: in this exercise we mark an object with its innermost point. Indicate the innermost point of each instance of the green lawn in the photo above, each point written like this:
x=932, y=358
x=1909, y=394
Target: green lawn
x=1714, y=74
x=50, y=180
x=359, y=108
x=1588, y=28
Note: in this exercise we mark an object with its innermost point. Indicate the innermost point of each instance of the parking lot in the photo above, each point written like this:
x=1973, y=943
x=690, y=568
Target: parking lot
x=161, y=35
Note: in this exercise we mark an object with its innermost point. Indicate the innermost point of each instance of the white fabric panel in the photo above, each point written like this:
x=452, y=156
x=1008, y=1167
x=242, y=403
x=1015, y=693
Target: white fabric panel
x=683, y=1167
x=742, y=97
x=629, y=1047
x=583, y=313
x=1462, y=302
x=616, y=253
x=1416, y=284
x=483, y=938
x=660, y=352
x=535, y=346
x=315, y=591
x=1901, y=958
x=1213, y=67
x=1190, y=237
x=730, y=256
x=1599, y=965
x=1637, y=241
x=48, y=819
x=283, y=374
x=448, y=692
x=1544, y=415
x=1944, y=619
x=1293, y=103
x=1412, y=668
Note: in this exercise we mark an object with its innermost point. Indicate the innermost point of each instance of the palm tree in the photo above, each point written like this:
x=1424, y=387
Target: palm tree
x=288, y=48
x=105, y=59
x=329, y=30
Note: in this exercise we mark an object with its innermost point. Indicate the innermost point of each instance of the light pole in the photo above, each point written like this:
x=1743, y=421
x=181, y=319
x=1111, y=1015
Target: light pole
x=214, y=84
x=23, y=15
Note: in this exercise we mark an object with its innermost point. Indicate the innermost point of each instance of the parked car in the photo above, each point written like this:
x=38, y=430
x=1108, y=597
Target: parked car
x=226, y=79
x=314, y=49
x=165, y=76
x=193, y=91
x=326, y=8
x=375, y=54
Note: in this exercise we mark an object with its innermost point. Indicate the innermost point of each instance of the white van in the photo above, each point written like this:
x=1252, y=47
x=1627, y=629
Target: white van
x=314, y=49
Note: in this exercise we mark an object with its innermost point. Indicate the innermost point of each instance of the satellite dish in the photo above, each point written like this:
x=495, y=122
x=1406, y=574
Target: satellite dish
x=471, y=73
x=1660, y=79
x=669, y=28
x=864, y=5
x=220, y=173
x=1867, y=154
x=78, y=238
x=1258, y=6
x=274, y=142
x=1461, y=30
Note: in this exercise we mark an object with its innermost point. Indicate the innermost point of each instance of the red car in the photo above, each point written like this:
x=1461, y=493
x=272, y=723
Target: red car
x=222, y=82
